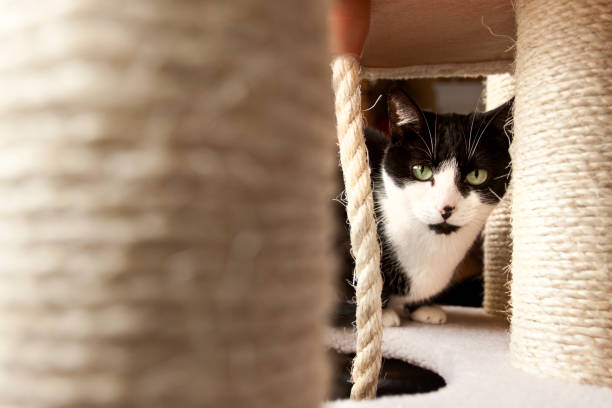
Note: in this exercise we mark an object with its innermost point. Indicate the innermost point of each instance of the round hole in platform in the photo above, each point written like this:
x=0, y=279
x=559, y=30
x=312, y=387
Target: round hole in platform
x=396, y=377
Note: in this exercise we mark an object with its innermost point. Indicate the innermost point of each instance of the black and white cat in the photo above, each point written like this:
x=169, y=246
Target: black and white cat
x=436, y=179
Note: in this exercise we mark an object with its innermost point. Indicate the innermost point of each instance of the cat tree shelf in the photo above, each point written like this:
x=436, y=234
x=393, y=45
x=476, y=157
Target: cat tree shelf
x=413, y=39
x=471, y=353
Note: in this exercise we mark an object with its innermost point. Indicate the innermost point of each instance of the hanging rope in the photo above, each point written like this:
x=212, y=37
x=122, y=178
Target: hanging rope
x=360, y=210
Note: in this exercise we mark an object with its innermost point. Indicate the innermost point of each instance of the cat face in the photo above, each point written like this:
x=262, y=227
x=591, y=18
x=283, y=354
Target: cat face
x=446, y=170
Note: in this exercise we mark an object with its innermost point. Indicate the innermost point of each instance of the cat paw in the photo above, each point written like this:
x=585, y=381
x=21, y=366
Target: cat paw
x=429, y=314
x=390, y=318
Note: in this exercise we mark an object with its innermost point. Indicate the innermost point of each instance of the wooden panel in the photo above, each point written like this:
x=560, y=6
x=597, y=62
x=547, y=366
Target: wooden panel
x=413, y=32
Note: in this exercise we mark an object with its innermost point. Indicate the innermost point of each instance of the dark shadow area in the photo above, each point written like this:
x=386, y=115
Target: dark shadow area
x=396, y=377
x=466, y=293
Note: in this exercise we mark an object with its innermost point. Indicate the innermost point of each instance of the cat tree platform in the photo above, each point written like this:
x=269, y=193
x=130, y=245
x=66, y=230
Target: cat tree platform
x=410, y=39
x=471, y=353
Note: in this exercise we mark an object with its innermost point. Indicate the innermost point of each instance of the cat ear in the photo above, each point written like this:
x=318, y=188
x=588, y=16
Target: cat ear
x=404, y=114
x=501, y=119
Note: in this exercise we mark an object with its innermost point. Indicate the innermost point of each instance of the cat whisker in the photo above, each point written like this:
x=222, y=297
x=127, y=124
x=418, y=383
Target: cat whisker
x=508, y=128
x=480, y=97
x=423, y=150
x=469, y=144
x=495, y=194
x=507, y=175
x=374, y=105
x=478, y=132
x=479, y=137
x=426, y=145
x=430, y=140
x=435, y=135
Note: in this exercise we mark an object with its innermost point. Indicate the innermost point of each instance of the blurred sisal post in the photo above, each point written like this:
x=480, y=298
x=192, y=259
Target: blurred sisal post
x=166, y=170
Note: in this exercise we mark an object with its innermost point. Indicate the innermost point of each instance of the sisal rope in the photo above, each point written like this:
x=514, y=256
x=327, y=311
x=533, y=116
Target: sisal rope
x=562, y=191
x=364, y=239
x=165, y=175
x=498, y=242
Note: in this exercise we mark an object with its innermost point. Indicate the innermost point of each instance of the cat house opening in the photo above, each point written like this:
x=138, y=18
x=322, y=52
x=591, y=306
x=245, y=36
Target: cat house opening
x=396, y=377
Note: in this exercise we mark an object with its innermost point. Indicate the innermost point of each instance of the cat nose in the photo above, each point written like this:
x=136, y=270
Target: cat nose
x=447, y=212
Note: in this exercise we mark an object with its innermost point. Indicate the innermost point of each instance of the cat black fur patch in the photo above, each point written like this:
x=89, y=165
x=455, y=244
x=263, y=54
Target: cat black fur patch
x=443, y=228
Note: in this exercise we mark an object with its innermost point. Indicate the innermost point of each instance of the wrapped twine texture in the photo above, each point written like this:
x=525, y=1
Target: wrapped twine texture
x=497, y=239
x=166, y=169
x=562, y=191
x=364, y=238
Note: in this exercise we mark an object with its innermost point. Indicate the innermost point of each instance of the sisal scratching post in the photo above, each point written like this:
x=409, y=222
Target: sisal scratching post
x=562, y=191
x=166, y=169
x=498, y=242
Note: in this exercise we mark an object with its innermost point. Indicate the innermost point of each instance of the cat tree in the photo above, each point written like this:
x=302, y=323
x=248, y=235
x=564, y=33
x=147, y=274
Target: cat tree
x=165, y=174
x=559, y=202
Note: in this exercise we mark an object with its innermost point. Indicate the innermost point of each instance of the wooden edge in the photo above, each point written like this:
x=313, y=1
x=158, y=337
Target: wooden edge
x=463, y=70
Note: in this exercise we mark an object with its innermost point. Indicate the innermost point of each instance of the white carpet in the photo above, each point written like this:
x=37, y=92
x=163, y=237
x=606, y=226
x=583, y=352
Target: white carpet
x=471, y=353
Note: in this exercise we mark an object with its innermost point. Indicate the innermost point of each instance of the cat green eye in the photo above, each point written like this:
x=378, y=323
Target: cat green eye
x=476, y=177
x=422, y=173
